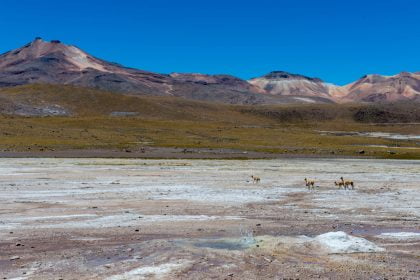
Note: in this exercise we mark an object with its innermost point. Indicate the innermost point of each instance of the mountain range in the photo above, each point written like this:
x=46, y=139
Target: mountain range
x=52, y=62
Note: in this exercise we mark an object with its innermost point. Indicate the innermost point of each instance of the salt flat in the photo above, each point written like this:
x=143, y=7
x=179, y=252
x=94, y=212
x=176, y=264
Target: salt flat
x=195, y=219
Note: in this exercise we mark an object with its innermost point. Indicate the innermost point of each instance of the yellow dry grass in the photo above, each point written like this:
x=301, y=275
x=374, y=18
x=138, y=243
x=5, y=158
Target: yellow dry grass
x=173, y=122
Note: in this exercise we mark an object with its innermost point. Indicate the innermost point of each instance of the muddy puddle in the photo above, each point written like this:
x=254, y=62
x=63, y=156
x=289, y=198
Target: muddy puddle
x=222, y=244
x=231, y=244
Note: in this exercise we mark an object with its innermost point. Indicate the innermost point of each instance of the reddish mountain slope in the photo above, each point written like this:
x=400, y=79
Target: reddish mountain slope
x=56, y=63
x=377, y=88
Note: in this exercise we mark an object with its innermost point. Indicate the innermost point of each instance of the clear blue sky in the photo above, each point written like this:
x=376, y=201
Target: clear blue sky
x=338, y=41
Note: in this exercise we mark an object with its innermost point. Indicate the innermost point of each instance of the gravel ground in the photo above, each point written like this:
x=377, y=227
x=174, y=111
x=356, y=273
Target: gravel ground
x=205, y=219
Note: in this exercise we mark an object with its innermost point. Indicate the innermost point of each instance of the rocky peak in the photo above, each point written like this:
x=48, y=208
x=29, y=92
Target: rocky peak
x=40, y=53
x=282, y=75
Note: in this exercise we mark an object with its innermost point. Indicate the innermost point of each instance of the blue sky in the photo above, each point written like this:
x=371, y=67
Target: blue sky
x=338, y=41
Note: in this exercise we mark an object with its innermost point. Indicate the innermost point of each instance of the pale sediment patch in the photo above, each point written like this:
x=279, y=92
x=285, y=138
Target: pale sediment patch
x=387, y=202
x=94, y=221
x=342, y=243
x=308, y=100
x=43, y=218
x=386, y=135
x=215, y=195
x=327, y=243
x=400, y=235
x=156, y=271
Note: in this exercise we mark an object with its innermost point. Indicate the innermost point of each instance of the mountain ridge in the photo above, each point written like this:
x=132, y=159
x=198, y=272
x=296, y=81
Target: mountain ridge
x=56, y=63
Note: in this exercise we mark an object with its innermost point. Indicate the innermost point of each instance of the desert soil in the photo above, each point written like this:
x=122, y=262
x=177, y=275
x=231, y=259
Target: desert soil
x=163, y=153
x=205, y=219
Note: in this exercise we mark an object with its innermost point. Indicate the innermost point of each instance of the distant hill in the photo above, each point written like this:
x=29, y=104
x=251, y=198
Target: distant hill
x=40, y=100
x=44, y=100
x=42, y=62
x=377, y=88
x=280, y=83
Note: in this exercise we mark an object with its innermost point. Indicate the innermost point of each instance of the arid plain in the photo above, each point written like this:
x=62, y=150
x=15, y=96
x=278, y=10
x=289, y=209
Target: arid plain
x=201, y=219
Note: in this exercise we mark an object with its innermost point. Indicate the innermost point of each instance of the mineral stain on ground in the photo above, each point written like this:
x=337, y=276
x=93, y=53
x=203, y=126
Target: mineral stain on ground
x=196, y=219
